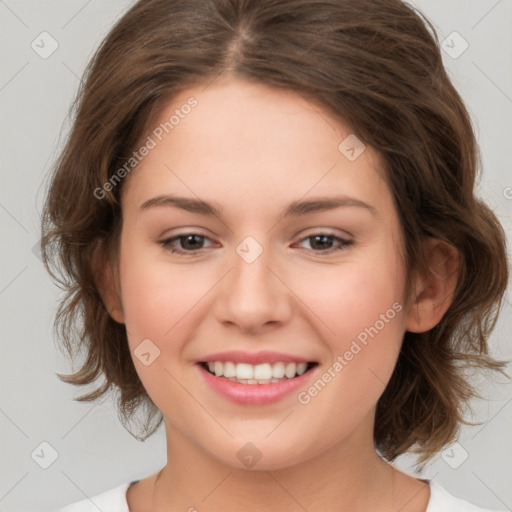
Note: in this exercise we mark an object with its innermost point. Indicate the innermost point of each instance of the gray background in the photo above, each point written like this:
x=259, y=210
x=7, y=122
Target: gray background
x=94, y=452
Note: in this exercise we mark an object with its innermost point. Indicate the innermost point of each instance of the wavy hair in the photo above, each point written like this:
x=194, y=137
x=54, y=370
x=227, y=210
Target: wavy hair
x=376, y=64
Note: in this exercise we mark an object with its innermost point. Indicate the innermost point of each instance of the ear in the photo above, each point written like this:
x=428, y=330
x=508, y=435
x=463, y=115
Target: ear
x=433, y=291
x=106, y=280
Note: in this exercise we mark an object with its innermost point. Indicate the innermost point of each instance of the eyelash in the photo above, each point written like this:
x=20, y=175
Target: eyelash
x=166, y=244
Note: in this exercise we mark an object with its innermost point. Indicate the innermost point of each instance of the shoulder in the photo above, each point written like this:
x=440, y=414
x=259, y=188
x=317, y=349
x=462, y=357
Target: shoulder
x=113, y=500
x=442, y=501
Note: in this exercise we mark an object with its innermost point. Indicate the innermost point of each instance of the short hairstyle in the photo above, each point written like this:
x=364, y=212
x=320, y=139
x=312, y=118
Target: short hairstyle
x=376, y=65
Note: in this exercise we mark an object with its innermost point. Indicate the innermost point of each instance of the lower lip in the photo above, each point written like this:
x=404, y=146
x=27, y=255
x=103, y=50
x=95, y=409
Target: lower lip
x=254, y=394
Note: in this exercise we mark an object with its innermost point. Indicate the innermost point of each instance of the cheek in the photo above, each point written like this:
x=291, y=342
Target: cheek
x=158, y=301
x=353, y=296
x=156, y=296
x=361, y=304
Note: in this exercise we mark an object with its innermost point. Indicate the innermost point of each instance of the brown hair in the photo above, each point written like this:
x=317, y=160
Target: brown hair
x=374, y=63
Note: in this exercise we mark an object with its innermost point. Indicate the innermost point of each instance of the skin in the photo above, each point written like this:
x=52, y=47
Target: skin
x=251, y=150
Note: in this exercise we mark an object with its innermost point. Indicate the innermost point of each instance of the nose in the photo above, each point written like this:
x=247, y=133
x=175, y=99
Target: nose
x=254, y=296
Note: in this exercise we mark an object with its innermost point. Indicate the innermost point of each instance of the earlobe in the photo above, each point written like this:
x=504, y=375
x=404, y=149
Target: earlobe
x=434, y=290
x=106, y=282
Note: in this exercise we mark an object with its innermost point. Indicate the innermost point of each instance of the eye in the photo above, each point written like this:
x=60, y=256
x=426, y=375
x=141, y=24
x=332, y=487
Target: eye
x=190, y=242
x=324, y=242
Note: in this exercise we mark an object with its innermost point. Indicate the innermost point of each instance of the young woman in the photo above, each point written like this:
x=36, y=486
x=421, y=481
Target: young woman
x=266, y=223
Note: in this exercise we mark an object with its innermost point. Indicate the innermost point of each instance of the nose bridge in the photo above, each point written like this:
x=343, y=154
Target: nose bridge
x=252, y=274
x=253, y=296
x=252, y=277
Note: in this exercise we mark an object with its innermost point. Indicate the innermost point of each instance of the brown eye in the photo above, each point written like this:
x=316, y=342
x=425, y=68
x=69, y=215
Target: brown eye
x=191, y=242
x=325, y=242
x=187, y=243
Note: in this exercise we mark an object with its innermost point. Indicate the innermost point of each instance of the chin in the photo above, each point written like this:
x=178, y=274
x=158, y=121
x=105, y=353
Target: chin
x=263, y=454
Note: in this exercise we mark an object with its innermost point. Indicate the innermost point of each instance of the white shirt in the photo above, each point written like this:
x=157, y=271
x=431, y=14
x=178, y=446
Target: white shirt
x=114, y=500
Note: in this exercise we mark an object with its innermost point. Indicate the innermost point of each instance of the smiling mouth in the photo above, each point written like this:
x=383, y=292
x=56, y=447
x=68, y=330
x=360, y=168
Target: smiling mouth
x=265, y=373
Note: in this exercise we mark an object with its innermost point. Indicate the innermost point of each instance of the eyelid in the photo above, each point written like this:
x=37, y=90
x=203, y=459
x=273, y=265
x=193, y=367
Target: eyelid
x=325, y=231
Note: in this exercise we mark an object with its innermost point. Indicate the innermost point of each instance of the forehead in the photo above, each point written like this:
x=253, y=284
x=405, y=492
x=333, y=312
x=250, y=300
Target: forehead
x=231, y=113
x=253, y=139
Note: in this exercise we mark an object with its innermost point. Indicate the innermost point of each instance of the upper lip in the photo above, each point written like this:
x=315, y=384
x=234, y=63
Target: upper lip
x=238, y=356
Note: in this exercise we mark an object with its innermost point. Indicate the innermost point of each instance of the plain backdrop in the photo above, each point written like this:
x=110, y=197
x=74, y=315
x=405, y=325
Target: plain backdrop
x=88, y=448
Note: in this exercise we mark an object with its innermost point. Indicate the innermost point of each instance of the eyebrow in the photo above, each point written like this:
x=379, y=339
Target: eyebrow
x=294, y=209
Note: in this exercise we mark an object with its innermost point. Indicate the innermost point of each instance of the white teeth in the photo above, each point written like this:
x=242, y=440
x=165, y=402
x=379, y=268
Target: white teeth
x=263, y=371
x=229, y=369
x=243, y=370
x=256, y=374
x=278, y=370
x=290, y=370
x=301, y=368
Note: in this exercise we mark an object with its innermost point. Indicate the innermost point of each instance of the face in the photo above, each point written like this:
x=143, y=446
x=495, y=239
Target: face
x=293, y=263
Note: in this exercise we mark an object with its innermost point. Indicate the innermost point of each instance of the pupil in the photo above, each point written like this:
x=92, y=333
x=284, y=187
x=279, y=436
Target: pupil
x=187, y=238
x=324, y=239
